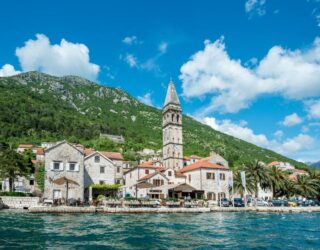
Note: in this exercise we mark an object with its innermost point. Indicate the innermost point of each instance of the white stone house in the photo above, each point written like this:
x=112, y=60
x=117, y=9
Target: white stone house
x=64, y=172
x=211, y=178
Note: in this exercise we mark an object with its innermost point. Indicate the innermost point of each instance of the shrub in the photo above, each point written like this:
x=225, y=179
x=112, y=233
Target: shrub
x=17, y=194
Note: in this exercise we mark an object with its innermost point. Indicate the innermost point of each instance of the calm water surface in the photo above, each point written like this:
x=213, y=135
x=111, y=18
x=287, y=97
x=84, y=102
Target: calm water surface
x=160, y=231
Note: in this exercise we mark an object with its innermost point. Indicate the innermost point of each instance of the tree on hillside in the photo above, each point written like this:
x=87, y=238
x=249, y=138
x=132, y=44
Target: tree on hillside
x=276, y=179
x=256, y=172
x=12, y=164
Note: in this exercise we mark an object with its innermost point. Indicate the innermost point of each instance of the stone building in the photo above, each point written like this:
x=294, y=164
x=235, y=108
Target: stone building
x=172, y=130
x=64, y=168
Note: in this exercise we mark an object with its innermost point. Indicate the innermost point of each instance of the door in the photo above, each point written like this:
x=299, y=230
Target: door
x=56, y=194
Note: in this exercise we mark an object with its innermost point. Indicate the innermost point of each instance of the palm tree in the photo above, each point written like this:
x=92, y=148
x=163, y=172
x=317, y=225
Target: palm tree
x=306, y=186
x=288, y=189
x=237, y=184
x=257, y=173
x=277, y=179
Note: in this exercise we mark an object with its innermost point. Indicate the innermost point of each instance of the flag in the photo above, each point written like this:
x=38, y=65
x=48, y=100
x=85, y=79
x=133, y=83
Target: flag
x=243, y=178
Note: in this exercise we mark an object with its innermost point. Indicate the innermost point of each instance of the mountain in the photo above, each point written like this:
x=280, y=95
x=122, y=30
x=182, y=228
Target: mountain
x=39, y=107
x=315, y=164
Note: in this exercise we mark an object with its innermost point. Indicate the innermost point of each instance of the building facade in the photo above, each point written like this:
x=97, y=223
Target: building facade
x=172, y=130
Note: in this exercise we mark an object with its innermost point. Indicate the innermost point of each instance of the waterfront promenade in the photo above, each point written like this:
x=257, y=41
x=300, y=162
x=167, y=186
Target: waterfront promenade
x=67, y=209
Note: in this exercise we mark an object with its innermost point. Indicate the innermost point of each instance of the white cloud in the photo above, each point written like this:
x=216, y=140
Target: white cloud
x=291, y=120
x=66, y=58
x=130, y=40
x=289, y=146
x=237, y=130
x=231, y=86
x=8, y=70
x=146, y=99
x=313, y=108
x=255, y=7
x=163, y=47
x=131, y=60
x=298, y=143
x=278, y=134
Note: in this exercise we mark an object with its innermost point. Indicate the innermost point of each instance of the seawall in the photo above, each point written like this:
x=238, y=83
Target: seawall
x=20, y=202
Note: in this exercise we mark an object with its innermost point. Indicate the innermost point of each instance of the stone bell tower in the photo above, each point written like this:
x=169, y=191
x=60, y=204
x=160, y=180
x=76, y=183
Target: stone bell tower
x=172, y=130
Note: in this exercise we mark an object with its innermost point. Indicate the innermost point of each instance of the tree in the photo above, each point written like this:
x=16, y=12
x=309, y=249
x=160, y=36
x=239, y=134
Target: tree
x=257, y=174
x=237, y=184
x=306, y=186
x=12, y=164
x=276, y=179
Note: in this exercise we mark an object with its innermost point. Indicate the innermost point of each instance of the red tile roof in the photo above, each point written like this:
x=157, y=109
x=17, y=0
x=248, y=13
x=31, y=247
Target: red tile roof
x=201, y=164
x=112, y=155
x=195, y=157
x=40, y=151
x=274, y=163
x=88, y=151
x=25, y=146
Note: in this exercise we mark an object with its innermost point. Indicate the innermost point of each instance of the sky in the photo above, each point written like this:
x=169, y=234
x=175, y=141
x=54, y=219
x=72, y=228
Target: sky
x=247, y=68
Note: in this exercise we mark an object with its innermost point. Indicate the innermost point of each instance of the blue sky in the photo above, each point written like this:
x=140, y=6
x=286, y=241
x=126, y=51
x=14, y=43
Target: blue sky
x=247, y=68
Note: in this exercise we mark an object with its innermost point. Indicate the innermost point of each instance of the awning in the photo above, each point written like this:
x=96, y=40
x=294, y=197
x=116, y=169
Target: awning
x=184, y=188
x=63, y=180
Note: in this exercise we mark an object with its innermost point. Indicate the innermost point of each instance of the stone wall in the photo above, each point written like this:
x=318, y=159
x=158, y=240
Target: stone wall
x=20, y=202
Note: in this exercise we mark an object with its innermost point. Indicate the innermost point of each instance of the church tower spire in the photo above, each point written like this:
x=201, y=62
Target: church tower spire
x=172, y=130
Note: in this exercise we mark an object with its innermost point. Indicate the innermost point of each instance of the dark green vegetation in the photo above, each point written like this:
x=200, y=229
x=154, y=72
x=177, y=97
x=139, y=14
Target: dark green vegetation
x=37, y=107
x=13, y=164
x=16, y=194
x=276, y=180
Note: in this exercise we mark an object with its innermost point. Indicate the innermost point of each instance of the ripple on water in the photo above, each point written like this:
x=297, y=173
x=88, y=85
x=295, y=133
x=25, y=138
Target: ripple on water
x=160, y=231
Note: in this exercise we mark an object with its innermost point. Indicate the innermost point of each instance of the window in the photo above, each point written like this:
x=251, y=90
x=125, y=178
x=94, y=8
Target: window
x=101, y=182
x=222, y=176
x=169, y=173
x=210, y=176
x=97, y=158
x=101, y=169
x=56, y=165
x=118, y=181
x=118, y=169
x=31, y=183
x=189, y=177
x=172, y=117
x=178, y=118
x=211, y=196
x=72, y=166
x=158, y=182
x=146, y=171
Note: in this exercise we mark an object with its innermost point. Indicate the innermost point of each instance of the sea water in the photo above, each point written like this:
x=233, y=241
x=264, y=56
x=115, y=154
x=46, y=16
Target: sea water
x=159, y=231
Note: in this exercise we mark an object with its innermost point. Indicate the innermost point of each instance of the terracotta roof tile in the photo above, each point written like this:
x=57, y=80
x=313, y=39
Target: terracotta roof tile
x=25, y=146
x=201, y=164
x=112, y=155
x=40, y=151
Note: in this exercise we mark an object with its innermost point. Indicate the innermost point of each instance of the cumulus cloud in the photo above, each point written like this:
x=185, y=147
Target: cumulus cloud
x=231, y=86
x=66, y=58
x=302, y=141
x=163, y=47
x=255, y=7
x=291, y=120
x=237, y=130
x=313, y=109
x=130, y=40
x=289, y=146
x=8, y=70
x=146, y=99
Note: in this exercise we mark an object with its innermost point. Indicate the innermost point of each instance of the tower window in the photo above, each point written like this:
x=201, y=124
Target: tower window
x=172, y=117
x=178, y=118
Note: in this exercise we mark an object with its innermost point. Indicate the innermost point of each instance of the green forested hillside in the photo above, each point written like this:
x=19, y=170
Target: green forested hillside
x=38, y=107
